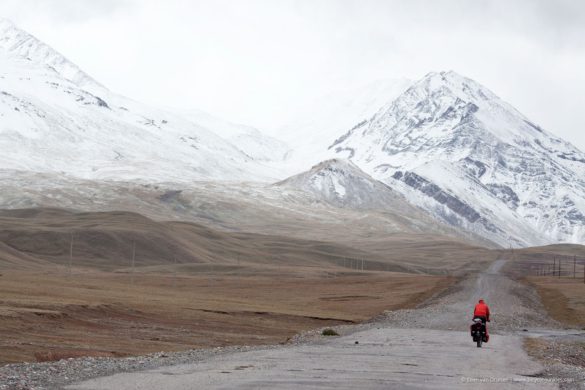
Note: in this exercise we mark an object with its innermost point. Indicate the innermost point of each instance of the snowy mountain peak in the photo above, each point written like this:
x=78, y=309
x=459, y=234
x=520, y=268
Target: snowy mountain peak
x=341, y=183
x=444, y=96
x=24, y=45
x=452, y=111
x=454, y=148
x=454, y=83
x=339, y=165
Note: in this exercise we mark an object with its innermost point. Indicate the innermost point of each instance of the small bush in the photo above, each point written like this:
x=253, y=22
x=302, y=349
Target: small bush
x=53, y=356
x=329, y=332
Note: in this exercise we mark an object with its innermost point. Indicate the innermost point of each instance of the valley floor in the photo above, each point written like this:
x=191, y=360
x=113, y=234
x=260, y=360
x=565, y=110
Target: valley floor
x=52, y=315
x=424, y=347
x=428, y=347
x=564, y=298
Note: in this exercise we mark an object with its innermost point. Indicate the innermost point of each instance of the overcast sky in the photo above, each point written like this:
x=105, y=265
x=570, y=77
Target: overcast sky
x=254, y=61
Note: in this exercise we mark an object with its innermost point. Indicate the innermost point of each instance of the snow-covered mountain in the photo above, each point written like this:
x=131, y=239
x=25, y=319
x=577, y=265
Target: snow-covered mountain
x=341, y=183
x=444, y=144
x=22, y=44
x=248, y=139
x=317, y=123
x=453, y=147
x=55, y=118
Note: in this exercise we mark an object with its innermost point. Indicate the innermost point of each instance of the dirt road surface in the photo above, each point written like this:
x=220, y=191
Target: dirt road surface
x=429, y=347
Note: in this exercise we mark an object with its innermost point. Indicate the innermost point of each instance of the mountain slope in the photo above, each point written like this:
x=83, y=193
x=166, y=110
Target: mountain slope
x=454, y=148
x=20, y=43
x=316, y=124
x=341, y=184
x=50, y=122
x=248, y=139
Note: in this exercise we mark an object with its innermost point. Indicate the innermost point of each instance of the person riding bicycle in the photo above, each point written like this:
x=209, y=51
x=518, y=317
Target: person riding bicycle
x=482, y=311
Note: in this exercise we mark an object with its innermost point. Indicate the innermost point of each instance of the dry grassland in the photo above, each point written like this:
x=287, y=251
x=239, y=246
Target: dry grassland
x=48, y=315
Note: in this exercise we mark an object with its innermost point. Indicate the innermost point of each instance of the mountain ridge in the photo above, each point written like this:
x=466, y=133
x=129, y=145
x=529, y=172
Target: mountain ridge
x=25, y=45
x=49, y=120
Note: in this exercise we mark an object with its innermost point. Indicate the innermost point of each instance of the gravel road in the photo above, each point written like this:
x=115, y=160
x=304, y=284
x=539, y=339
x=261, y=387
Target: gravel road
x=428, y=347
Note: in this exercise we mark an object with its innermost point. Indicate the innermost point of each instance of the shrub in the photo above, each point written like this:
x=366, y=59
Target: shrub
x=329, y=332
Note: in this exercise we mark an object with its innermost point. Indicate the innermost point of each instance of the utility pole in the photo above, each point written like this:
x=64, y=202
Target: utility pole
x=133, y=259
x=175, y=271
x=71, y=255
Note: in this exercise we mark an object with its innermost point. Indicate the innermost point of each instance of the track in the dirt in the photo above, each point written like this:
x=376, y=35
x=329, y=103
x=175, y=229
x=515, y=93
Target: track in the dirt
x=411, y=349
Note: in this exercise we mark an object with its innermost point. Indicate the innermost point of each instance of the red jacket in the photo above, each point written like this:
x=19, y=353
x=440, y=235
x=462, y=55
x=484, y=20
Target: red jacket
x=482, y=310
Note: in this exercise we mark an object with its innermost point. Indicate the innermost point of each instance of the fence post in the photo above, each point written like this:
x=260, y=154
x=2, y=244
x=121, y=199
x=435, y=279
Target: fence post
x=574, y=267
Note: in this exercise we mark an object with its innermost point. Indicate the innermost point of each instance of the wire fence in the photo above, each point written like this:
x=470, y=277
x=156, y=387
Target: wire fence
x=572, y=267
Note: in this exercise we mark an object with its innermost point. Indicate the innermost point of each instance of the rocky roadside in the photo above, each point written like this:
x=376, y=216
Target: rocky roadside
x=563, y=358
x=56, y=375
